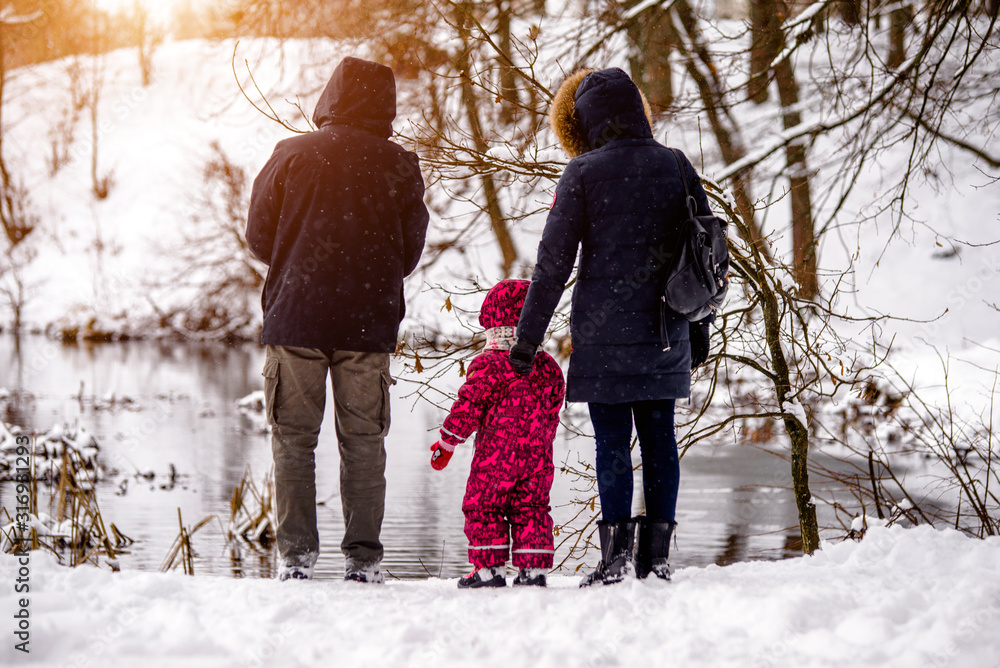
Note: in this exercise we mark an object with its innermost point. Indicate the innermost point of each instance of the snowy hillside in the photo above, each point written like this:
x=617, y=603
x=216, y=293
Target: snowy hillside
x=113, y=259
x=102, y=257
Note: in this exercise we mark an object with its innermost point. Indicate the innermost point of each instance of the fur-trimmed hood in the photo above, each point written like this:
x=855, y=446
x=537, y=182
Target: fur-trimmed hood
x=593, y=107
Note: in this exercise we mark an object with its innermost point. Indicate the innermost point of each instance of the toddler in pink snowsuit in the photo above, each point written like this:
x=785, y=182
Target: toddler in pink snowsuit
x=515, y=419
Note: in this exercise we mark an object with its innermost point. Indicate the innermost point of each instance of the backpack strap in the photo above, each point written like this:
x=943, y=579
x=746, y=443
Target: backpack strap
x=691, y=204
x=664, y=338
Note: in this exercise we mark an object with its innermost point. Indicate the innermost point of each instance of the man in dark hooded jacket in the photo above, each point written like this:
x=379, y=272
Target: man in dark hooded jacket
x=339, y=218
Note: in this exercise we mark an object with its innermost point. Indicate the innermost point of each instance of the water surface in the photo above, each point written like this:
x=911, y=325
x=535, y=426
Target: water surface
x=158, y=407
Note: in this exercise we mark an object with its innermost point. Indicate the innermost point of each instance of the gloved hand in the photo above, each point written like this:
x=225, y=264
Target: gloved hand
x=442, y=454
x=700, y=343
x=522, y=356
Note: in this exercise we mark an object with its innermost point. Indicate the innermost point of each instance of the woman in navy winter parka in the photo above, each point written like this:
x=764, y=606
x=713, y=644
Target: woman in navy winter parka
x=620, y=204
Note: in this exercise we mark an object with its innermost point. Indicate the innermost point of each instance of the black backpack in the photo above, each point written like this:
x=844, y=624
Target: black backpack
x=696, y=283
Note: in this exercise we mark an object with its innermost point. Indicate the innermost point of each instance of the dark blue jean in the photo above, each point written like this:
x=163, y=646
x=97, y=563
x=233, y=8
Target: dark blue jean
x=661, y=471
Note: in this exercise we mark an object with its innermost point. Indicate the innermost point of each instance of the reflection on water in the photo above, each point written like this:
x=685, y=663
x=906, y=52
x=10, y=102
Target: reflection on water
x=165, y=415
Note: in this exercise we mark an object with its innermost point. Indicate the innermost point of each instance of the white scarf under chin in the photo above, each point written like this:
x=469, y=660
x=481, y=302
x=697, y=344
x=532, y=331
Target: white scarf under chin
x=499, y=338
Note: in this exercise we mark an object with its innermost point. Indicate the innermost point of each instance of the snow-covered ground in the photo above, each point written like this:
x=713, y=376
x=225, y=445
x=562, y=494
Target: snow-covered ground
x=904, y=598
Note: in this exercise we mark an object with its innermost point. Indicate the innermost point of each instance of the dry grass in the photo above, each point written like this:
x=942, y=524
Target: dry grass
x=75, y=530
x=181, y=552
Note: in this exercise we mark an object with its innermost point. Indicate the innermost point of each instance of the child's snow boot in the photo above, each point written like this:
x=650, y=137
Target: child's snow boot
x=653, y=547
x=617, y=560
x=530, y=577
x=484, y=577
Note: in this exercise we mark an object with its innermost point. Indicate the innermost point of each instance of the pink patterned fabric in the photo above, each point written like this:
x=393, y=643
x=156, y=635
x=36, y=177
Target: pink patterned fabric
x=515, y=419
x=503, y=303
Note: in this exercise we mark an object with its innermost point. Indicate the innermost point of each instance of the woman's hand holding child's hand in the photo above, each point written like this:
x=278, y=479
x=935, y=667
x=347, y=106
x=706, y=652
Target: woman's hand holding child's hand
x=522, y=356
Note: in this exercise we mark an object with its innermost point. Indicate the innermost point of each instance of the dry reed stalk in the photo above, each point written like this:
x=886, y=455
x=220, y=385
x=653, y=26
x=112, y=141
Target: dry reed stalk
x=251, y=510
x=181, y=547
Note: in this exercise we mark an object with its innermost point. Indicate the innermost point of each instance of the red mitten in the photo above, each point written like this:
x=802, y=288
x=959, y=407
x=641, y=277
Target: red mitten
x=442, y=454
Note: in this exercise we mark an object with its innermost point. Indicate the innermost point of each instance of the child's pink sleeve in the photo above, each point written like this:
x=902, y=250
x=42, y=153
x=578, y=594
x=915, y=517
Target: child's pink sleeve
x=474, y=399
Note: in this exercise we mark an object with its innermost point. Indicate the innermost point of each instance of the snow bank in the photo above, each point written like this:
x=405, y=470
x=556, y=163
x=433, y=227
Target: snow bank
x=901, y=597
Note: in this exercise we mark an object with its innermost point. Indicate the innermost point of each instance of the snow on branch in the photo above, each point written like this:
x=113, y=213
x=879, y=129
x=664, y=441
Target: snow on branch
x=789, y=136
x=643, y=6
x=800, y=29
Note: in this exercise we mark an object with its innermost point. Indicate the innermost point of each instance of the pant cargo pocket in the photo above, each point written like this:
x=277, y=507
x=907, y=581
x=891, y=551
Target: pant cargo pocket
x=270, y=374
x=387, y=382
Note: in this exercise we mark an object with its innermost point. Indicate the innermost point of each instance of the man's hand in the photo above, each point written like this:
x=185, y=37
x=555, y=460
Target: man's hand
x=522, y=356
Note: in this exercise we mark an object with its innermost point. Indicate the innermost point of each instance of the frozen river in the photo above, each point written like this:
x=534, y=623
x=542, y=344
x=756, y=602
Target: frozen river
x=156, y=407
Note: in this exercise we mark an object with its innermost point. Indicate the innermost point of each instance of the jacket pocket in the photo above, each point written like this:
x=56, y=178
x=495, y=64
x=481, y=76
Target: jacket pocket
x=270, y=374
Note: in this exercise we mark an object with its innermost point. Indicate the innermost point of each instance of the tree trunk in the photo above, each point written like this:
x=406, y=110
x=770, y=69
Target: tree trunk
x=711, y=92
x=470, y=102
x=798, y=434
x=804, y=262
x=509, y=99
x=774, y=306
x=650, y=34
x=765, y=35
x=8, y=212
x=100, y=186
x=850, y=11
x=898, y=20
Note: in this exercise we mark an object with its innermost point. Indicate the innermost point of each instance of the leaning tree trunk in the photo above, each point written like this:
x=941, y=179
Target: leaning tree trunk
x=804, y=262
x=700, y=67
x=775, y=305
x=797, y=432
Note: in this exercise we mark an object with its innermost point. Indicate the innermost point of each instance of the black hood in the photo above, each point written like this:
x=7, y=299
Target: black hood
x=360, y=93
x=609, y=106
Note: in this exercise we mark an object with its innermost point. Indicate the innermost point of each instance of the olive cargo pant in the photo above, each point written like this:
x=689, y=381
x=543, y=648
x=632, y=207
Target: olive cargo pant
x=295, y=399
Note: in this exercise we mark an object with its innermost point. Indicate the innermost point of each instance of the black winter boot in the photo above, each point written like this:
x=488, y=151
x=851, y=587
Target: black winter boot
x=617, y=562
x=484, y=577
x=530, y=577
x=653, y=547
